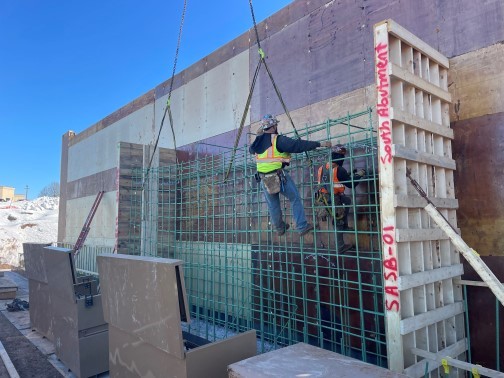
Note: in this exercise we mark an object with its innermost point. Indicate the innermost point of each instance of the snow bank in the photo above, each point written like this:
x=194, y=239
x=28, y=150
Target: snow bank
x=41, y=204
x=26, y=222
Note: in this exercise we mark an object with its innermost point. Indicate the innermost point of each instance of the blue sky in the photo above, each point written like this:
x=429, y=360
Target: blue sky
x=65, y=64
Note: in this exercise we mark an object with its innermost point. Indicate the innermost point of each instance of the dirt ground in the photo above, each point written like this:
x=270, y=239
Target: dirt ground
x=26, y=358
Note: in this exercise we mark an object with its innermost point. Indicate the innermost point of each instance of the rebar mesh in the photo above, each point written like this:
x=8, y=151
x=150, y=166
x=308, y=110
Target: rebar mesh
x=240, y=274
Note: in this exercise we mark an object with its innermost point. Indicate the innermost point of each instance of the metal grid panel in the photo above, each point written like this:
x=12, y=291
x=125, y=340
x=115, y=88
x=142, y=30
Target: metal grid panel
x=424, y=308
x=240, y=274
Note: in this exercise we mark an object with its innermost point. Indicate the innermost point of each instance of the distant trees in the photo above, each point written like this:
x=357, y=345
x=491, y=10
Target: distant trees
x=51, y=190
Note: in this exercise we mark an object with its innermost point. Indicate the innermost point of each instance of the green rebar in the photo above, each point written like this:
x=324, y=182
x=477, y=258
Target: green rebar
x=239, y=274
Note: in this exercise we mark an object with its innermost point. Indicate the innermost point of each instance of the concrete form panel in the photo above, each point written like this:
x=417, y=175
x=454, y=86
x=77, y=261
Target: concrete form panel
x=335, y=44
x=91, y=185
x=477, y=83
x=100, y=150
x=145, y=303
x=34, y=261
x=103, y=227
x=230, y=50
x=125, y=111
x=80, y=332
x=177, y=109
x=131, y=357
x=289, y=60
x=334, y=107
x=131, y=156
x=454, y=28
x=62, y=211
x=212, y=146
x=227, y=91
x=435, y=310
x=139, y=306
x=481, y=220
x=209, y=105
x=212, y=360
x=339, y=48
x=195, y=110
x=41, y=316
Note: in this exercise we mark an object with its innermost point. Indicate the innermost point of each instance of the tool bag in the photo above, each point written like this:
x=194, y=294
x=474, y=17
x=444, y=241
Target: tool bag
x=271, y=182
x=324, y=201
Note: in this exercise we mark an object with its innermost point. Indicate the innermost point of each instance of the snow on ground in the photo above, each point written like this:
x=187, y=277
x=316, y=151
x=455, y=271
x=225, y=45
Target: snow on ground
x=26, y=222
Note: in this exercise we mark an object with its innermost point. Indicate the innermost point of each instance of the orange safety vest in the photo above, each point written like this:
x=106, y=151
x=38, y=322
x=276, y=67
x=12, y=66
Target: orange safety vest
x=323, y=177
x=271, y=159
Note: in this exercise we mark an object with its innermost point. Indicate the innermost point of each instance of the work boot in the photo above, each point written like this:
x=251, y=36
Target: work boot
x=283, y=228
x=305, y=230
x=344, y=248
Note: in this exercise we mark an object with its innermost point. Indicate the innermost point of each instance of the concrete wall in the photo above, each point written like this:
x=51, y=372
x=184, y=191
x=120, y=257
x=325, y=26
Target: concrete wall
x=321, y=56
x=478, y=122
x=208, y=105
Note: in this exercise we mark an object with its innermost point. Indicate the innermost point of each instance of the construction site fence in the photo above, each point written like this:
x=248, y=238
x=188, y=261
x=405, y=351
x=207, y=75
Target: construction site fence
x=85, y=262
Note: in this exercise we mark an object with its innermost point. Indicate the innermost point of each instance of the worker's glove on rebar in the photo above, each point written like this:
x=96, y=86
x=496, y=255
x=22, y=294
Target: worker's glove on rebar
x=325, y=144
x=359, y=172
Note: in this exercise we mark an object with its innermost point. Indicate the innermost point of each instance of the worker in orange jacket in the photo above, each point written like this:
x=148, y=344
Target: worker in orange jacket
x=341, y=179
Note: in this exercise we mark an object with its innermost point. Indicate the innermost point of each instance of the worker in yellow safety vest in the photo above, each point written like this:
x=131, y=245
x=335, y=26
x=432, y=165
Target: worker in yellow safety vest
x=273, y=154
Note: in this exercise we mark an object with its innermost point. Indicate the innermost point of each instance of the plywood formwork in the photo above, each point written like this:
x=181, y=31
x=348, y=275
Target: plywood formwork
x=424, y=307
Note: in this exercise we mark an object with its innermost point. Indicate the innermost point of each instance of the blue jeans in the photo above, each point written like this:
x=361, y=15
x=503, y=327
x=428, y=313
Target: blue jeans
x=287, y=189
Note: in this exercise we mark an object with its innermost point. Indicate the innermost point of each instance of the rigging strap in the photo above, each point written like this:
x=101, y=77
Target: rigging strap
x=262, y=60
x=168, y=102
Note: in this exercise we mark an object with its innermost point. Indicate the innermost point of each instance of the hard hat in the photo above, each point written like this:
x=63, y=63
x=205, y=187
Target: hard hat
x=340, y=149
x=268, y=121
x=335, y=157
x=338, y=153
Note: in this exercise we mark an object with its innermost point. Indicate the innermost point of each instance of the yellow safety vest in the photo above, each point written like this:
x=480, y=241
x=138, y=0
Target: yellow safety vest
x=271, y=159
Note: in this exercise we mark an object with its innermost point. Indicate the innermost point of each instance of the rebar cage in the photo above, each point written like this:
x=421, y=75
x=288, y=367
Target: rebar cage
x=240, y=274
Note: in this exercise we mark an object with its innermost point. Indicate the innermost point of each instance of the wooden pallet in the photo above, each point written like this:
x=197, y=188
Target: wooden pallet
x=8, y=288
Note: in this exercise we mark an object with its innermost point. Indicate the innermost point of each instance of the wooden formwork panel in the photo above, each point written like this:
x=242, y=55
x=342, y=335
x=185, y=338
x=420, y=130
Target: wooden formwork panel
x=131, y=157
x=424, y=308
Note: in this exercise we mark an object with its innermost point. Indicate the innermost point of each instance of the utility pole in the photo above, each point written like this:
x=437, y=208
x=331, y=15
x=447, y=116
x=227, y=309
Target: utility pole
x=26, y=192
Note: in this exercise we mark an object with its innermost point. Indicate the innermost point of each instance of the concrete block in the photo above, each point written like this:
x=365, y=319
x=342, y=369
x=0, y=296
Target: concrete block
x=304, y=360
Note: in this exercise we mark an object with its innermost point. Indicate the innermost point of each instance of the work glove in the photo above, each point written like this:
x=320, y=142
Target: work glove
x=359, y=172
x=325, y=144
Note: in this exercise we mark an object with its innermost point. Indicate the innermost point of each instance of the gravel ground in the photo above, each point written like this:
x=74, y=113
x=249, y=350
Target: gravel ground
x=26, y=358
